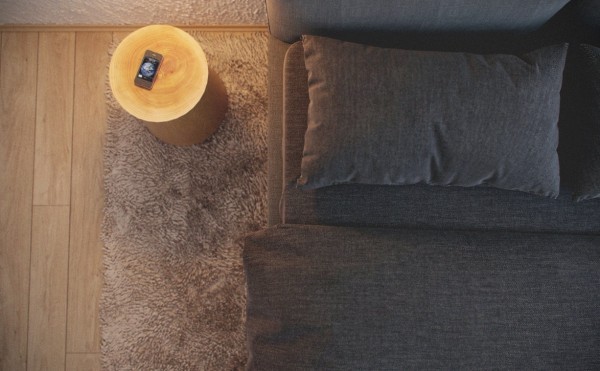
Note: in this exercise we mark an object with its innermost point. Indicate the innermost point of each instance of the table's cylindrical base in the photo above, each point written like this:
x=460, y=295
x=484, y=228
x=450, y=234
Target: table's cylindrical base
x=200, y=122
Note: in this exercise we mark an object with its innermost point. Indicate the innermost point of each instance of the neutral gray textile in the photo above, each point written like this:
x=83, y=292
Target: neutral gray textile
x=413, y=206
x=395, y=117
x=277, y=51
x=450, y=299
x=589, y=186
x=295, y=111
x=376, y=299
x=422, y=206
x=585, y=18
x=290, y=19
x=580, y=122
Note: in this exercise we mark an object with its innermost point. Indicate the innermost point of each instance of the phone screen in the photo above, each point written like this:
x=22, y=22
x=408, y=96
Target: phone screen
x=148, y=69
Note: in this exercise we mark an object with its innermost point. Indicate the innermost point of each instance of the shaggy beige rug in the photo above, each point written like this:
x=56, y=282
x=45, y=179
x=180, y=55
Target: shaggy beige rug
x=174, y=289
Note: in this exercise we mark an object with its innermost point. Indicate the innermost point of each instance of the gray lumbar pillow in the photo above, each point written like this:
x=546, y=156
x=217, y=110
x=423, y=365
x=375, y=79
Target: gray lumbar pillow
x=581, y=147
x=391, y=116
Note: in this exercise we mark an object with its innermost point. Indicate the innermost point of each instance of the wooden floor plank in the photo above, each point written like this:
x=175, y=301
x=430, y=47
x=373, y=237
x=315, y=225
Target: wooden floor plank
x=53, y=140
x=83, y=361
x=48, y=288
x=87, y=197
x=18, y=71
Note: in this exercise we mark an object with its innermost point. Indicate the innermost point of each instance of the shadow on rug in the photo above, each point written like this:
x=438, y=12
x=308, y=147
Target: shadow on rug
x=174, y=287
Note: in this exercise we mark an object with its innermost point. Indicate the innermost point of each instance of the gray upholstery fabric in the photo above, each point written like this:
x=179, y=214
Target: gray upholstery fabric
x=412, y=206
x=585, y=18
x=440, y=208
x=580, y=122
x=418, y=299
x=578, y=21
x=277, y=51
x=289, y=19
x=393, y=116
x=374, y=299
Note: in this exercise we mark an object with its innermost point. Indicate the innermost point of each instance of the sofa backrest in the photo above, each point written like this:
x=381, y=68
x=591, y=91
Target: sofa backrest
x=405, y=24
x=491, y=26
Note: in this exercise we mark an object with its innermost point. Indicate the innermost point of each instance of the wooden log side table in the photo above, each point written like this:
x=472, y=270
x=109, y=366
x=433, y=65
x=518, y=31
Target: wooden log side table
x=188, y=100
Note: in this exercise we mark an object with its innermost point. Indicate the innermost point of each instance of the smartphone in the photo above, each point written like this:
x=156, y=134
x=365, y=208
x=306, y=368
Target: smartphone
x=146, y=74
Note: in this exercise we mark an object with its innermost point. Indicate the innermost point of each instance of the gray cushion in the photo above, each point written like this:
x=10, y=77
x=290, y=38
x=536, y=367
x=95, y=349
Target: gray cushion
x=415, y=206
x=391, y=116
x=580, y=122
x=377, y=299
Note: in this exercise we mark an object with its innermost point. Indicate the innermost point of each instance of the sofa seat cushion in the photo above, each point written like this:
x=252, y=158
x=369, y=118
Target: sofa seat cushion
x=359, y=298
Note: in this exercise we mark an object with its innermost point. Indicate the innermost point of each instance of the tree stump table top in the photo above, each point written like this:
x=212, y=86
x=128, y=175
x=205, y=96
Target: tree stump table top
x=181, y=79
x=188, y=100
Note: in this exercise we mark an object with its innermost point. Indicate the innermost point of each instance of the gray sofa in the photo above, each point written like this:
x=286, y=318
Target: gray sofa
x=487, y=254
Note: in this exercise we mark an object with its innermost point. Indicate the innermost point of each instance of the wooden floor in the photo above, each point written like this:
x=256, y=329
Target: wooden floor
x=52, y=123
